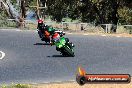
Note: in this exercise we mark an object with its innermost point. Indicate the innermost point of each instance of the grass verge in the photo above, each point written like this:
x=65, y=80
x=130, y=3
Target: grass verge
x=16, y=86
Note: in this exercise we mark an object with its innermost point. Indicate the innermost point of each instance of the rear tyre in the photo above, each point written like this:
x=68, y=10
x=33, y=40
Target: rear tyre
x=43, y=39
x=57, y=49
x=73, y=55
x=40, y=34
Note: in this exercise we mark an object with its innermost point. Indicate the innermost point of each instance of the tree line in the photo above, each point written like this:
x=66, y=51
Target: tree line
x=93, y=11
x=96, y=11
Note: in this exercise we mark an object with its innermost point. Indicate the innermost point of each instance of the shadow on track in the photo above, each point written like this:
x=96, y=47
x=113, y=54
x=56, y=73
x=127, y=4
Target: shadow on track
x=41, y=44
x=57, y=56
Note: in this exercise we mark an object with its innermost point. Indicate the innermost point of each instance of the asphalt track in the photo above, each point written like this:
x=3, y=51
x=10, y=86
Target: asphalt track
x=29, y=60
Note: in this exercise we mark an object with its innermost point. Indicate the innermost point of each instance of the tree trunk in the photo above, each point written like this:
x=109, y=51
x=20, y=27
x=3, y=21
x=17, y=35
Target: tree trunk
x=5, y=5
x=12, y=13
x=115, y=16
x=23, y=8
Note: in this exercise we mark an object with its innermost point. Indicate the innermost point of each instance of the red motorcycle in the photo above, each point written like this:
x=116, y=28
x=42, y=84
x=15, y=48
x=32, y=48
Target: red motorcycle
x=44, y=35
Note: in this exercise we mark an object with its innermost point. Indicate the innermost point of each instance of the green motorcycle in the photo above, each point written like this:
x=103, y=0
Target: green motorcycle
x=64, y=47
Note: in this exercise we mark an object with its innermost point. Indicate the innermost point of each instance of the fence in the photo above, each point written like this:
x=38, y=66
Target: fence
x=71, y=26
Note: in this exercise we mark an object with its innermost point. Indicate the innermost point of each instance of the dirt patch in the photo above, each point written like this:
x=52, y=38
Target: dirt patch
x=117, y=35
x=98, y=33
x=75, y=85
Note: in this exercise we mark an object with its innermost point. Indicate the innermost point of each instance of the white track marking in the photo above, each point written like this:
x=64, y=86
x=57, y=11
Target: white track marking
x=9, y=29
x=2, y=29
x=18, y=30
x=2, y=55
x=69, y=33
x=118, y=36
x=85, y=34
x=103, y=35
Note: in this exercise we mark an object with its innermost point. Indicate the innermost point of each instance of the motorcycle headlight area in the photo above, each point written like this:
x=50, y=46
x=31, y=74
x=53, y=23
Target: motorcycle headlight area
x=56, y=40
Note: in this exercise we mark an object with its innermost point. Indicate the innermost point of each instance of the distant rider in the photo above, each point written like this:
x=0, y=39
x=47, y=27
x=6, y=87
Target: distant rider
x=40, y=24
x=43, y=29
x=40, y=28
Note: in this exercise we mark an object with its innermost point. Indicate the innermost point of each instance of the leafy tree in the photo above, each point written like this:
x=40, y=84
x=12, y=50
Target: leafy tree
x=125, y=15
x=95, y=11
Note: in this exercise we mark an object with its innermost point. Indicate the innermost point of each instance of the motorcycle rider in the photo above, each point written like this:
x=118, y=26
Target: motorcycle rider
x=46, y=31
x=56, y=37
x=43, y=30
x=40, y=24
x=40, y=28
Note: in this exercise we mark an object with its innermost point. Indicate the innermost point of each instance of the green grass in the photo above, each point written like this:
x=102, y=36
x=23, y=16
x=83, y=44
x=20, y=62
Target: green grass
x=16, y=86
x=6, y=23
